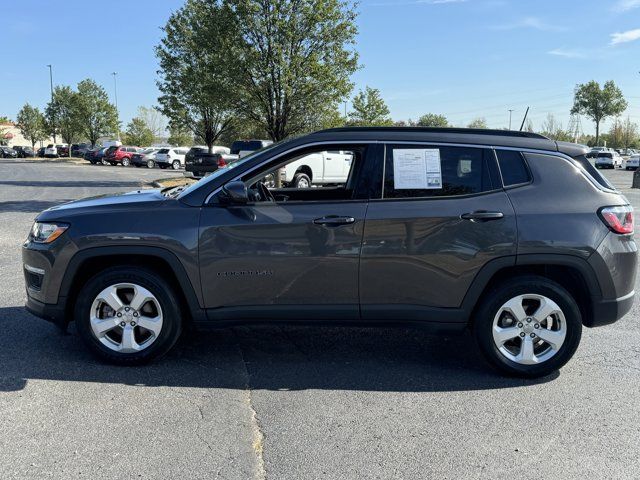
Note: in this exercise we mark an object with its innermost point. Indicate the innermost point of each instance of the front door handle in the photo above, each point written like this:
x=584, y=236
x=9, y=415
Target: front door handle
x=482, y=216
x=334, y=220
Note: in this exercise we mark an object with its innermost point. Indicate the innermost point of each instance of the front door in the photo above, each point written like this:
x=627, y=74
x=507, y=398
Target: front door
x=294, y=255
x=442, y=217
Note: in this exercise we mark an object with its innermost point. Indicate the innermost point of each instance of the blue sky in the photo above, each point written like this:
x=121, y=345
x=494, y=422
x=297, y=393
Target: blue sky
x=461, y=58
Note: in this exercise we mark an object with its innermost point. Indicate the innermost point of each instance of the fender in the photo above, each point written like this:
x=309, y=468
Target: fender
x=194, y=300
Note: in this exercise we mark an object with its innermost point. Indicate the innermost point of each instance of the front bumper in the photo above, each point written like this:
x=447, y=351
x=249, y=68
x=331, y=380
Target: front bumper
x=54, y=313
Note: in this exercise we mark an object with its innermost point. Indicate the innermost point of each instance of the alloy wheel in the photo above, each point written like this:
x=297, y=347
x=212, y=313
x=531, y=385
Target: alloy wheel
x=151, y=164
x=529, y=329
x=126, y=318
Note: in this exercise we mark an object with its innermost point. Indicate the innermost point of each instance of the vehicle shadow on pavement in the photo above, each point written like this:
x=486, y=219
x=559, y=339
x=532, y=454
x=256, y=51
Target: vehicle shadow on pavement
x=264, y=357
x=29, y=205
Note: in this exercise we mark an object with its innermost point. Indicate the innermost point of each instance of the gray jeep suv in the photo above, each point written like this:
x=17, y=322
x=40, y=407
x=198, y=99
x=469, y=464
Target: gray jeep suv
x=509, y=234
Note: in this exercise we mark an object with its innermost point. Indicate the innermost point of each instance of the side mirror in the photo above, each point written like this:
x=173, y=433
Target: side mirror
x=236, y=192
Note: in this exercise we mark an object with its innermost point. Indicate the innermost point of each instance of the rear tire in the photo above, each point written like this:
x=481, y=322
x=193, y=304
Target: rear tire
x=176, y=165
x=162, y=304
x=151, y=164
x=301, y=180
x=526, y=353
x=126, y=162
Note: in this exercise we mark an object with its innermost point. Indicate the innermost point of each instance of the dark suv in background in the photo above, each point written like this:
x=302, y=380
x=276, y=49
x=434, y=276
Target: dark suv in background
x=509, y=234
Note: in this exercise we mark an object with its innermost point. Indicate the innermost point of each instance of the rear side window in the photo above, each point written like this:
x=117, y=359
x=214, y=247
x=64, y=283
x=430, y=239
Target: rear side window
x=513, y=168
x=605, y=155
x=163, y=150
x=591, y=170
x=430, y=171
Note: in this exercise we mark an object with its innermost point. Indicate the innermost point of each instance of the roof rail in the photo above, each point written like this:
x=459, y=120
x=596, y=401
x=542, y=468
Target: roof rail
x=470, y=131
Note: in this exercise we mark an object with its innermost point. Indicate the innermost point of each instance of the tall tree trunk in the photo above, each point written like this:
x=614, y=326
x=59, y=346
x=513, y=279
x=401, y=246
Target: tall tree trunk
x=597, y=133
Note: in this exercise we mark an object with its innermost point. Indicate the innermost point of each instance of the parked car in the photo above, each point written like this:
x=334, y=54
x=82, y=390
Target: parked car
x=611, y=159
x=441, y=228
x=203, y=163
x=321, y=168
x=79, y=149
x=24, y=152
x=243, y=148
x=51, y=151
x=7, y=152
x=122, y=154
x=63, y=150
x=40, y=152
x=197, y=150
x=146, y=157
x=95, y=155
x=633, y=162
x=171, y=157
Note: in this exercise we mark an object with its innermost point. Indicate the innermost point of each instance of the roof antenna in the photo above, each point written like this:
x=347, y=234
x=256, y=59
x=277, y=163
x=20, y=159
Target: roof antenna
x=524, y=119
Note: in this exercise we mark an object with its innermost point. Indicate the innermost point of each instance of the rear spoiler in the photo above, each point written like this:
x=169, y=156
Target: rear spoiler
x=572, y=149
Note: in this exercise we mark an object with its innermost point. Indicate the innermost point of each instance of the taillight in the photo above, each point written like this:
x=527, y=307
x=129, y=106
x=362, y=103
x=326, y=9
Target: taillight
x=221, y=162
x=618, y=219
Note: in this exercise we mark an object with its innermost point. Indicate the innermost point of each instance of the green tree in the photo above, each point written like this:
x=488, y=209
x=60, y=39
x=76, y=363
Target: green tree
x=197, y=85
x=31, y=123
x=96, y=114
x=433, y=120
x=369, y=109
x=64, y=108
x=479, y=122
x=138, y=133
x=180, y=135
x=598, y=103
x=292, y=61
x=629, y=133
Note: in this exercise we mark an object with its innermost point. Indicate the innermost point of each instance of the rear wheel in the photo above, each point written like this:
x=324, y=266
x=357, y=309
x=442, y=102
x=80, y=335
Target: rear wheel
x=528, y=327
x=151, y=164
x=128, y=316
x=301, y=180
x=126, y=162
x=176, y=165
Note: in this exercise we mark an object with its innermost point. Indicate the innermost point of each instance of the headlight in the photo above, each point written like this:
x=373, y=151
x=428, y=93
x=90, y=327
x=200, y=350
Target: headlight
x=47, y=232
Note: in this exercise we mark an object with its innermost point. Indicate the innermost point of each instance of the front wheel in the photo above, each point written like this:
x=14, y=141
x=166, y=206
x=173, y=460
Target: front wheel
x=105, y=163
x=151, y=164
x=528, y=327
x=176, y=165
x=128, y=316
x=126, y=162
x=301, y=180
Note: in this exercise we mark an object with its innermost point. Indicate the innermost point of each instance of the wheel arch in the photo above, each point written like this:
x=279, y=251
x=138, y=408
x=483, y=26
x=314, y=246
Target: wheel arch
x=306, y=169
x=87, y=263
x=572, y=273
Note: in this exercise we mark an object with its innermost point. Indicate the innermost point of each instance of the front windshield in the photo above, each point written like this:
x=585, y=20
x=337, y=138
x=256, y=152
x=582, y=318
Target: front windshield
x=222, y=171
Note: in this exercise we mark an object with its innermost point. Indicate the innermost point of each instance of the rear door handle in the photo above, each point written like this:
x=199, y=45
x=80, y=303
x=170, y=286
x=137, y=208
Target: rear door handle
x=482, y=216
x=334, y=220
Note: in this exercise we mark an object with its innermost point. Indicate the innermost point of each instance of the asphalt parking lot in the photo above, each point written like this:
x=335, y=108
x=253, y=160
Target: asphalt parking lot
x=295, y=403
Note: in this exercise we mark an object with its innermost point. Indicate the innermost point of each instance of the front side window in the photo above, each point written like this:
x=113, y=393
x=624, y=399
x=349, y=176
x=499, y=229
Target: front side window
x=436, y=171
x=310, y=175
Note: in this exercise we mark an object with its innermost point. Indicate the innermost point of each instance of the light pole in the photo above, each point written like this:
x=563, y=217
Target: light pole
x=115, y=92
x=53, y=113
x=510, y=112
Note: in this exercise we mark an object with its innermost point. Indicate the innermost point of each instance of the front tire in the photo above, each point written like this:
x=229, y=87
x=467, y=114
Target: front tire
x=128, y=316
x=301, y=180
x=151, y=164
x=176, y=165
x=528, y=327
x=126, y=162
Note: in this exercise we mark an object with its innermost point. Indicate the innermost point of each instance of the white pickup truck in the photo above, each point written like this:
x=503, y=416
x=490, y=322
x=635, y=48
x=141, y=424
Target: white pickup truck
x=322, y=168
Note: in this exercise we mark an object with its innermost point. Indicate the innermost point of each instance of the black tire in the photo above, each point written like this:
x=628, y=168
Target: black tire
x=301, y=178
x=493, y=301
x=176, y=165
x=172, y=321
x=126, y=162
x=151, y=164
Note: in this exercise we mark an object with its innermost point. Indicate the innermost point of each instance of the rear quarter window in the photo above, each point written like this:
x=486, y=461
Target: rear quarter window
x=513, y=168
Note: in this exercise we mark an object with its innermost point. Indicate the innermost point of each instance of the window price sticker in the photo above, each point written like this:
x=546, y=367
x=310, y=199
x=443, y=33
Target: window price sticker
x=417, y=169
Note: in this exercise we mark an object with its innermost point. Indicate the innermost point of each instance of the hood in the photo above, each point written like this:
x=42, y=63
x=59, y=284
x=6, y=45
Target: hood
x=121, y=201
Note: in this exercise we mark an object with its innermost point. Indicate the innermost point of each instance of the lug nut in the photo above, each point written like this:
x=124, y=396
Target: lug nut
x=537, y=325
x=519, y=325
x=122, y=324
x=522, y=334
x=135, y=314
x=119, y=314
x=126, y=309
x=528, y=320
x=533, y=335
x=133, y=324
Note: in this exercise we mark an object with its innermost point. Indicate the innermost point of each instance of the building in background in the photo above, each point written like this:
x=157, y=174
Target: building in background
x=11, y=136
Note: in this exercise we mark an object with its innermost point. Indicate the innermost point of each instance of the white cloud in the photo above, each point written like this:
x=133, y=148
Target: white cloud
x=625, y=5
x=624, y=37
x=530, y=22
x=567, y=53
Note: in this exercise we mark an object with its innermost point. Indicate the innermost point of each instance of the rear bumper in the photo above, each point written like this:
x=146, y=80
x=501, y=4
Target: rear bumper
x=606, y=312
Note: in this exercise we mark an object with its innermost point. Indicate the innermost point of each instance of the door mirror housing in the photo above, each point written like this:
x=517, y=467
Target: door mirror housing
x=236, y=192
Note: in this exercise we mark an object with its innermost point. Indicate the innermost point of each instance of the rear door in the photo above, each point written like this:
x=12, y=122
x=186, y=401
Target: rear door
x=443, y=215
